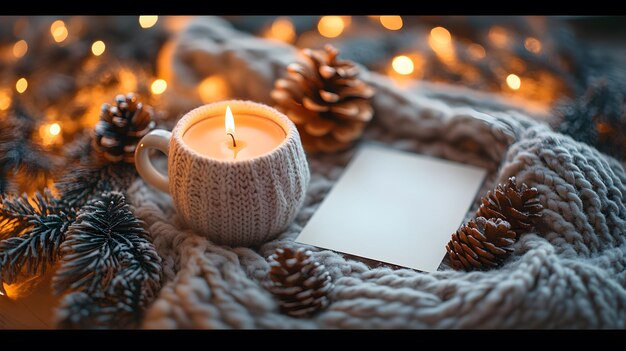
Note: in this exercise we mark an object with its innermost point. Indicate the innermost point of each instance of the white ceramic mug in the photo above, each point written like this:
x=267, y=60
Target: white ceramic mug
x=231, y=202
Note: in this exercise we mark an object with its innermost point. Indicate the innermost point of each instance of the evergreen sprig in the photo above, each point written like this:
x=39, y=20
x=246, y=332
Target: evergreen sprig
x=598, y=118
x=109, y=266
x=32, y=234
x=20, y=154
x=93, y=177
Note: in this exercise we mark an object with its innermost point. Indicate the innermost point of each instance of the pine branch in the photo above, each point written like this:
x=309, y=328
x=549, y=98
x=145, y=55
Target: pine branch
x=32, y=235
x=81, y=310
x=20, y=153
x=108, y=256
x=100, y=311
x=16, y=212
x=598, y=118
x=93, y=177
x=80, y=149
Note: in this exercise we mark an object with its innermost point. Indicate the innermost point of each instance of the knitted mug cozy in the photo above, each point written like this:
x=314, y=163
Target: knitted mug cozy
x=236, y=203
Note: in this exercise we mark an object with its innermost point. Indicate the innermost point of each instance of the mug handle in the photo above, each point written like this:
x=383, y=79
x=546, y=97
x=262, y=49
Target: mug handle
x=157, y=139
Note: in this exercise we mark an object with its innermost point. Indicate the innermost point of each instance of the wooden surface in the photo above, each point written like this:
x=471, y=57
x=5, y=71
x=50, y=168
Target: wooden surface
x=29, y=305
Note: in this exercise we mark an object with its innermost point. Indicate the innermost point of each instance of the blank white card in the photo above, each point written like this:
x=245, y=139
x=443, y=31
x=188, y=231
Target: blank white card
x=395, y=207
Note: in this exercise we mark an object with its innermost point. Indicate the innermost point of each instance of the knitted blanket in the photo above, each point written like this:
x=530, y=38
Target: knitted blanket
x=569, y=273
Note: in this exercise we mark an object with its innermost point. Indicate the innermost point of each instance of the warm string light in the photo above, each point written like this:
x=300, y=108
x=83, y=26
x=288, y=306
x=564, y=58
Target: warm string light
x=476, y=51
x=175, y=24
x=98, y=47
x=391, y=22
x=406, y=68
x=213, y=88
x=20, y=48
x=148, y=21
x=331, y=26
x=158, y=87
x=91, y=97
x=59, y=31
x=127, y=79
x=543, y=88
x=533, y=45
x=440, y=40
x=441, y=35
x=56, y=25
x=513, y=81
x=54, y=129
x=282, y=29
x=21, y=85
x=403, y=65
x=164, y=60
x=5, y=99
x=498, y=36
x=410, y=66
x=50, y=134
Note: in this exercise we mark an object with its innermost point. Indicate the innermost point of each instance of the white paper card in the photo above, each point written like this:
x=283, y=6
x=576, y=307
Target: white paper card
x=395, y=207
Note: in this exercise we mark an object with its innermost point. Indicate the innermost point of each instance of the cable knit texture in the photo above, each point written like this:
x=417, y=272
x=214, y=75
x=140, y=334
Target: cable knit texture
x=238, y=203
x=568, y=273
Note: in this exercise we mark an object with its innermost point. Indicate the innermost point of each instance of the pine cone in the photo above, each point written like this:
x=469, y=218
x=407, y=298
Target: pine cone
x=325, y=100
x=481, y=243
x=300, y=284
x=121, y=127
x=519, y=206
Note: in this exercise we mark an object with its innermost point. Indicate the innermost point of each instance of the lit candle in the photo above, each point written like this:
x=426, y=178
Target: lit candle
x=238, y=177
x=227, y=137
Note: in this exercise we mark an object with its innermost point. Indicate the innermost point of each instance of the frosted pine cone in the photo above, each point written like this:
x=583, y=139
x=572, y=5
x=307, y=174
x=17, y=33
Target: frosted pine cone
x=326, y=101
x=518, y=206
x=300, y=284
x=121, y=127
x=480, y=244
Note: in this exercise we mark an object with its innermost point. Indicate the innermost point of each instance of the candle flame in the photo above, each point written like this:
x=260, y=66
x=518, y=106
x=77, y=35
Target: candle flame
x=229, y=121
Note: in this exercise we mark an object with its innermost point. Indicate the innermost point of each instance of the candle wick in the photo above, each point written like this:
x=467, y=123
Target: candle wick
x=232, y=136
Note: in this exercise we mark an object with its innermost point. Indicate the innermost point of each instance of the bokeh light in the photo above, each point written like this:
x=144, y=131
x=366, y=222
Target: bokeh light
x=331, y=26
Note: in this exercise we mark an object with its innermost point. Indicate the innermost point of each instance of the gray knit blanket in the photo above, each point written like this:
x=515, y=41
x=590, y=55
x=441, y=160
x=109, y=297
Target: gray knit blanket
x=568, y=273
